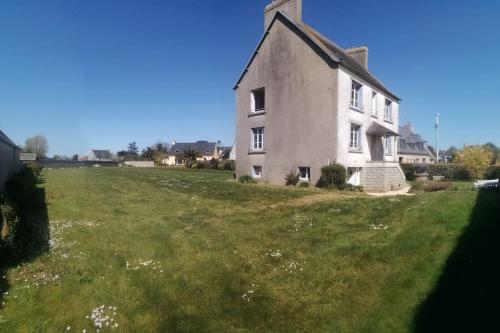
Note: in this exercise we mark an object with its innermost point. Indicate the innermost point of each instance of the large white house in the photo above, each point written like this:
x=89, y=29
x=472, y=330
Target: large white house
x=303, y=102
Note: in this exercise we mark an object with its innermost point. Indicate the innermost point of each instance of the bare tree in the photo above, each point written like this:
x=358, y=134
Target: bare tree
x=37, y=144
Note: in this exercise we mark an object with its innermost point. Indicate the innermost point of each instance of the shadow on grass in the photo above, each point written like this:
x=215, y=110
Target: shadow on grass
x=32, y=233
x=466, y=296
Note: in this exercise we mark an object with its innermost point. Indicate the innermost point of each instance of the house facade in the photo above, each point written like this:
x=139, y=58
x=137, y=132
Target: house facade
x=207, y=150
x=412, y=147
x=9, y=159
x=303, y=102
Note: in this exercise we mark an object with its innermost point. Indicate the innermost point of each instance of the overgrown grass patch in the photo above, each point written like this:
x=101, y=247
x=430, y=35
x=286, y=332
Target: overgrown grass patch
x=193, y=250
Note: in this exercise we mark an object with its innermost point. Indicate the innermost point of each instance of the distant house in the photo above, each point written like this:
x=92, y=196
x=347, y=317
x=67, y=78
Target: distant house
x=224, y=152
x=207, y=150
x=100, y=155
x=412, y=147
x=27, y=157
x=9, y=159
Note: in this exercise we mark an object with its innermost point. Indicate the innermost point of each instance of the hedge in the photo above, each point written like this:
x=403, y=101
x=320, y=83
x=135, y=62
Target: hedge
x=493, y=172
x=449, y=171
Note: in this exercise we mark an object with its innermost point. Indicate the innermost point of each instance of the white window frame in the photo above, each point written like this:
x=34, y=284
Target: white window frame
x=388, y=110
x=388, y=145
x=307, y=172
x=257, y=139
x=374, y=104
x=253, y=103
x=257, y=171
x=356, y=95
x=355, y=137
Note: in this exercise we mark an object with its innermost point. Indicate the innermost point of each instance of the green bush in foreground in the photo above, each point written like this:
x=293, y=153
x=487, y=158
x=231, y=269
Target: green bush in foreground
x=332, y=176
x=304, y=184
x=246, y=179
x=292, y=179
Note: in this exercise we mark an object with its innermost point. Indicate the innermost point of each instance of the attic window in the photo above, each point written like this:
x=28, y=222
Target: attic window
x=258, y=100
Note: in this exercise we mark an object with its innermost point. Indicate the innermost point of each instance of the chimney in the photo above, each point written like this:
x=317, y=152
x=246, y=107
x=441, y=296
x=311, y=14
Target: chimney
x=360, y=54
x=291, y=8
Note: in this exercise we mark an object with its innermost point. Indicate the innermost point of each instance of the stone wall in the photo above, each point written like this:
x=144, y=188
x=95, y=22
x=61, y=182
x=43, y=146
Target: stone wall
x=140, y=164
x=382, y=177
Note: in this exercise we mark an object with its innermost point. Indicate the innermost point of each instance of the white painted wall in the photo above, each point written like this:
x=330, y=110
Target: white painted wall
x=346, y=115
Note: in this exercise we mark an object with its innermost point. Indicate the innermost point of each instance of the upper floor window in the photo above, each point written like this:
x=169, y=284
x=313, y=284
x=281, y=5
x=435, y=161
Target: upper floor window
x=305, y=173
x=374, y=104
x=257, y=138
x=258, y=100
x=355, y=139
x=388, y=110
x=356, y=95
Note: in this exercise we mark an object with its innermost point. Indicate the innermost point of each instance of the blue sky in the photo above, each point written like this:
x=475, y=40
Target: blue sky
x=100, y=74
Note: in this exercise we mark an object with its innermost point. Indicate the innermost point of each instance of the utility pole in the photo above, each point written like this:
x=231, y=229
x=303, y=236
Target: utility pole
x=437, y=137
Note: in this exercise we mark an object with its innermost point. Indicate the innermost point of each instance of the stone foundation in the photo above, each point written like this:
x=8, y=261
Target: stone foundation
x=382, y=177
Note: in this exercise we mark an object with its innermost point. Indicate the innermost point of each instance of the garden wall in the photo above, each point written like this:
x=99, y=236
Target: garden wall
x=9, y=160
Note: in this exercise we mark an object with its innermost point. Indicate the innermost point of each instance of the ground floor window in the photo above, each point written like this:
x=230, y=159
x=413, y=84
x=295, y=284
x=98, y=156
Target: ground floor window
x=257, y=171
x=354, y=176
x=305, y=173
x=388, y=145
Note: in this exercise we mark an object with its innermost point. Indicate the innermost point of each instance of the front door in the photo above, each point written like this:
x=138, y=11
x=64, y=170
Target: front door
x=376, y=148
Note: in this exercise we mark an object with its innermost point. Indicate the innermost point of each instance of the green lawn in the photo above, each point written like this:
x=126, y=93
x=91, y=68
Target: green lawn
x=169, y=250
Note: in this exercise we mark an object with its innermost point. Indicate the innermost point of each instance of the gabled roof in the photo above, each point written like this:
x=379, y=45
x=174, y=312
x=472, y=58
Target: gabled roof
x=4, y=138
x=377, y=129
x=333, y=54
x=203, y=147
x=102, y=154
x=411, y=143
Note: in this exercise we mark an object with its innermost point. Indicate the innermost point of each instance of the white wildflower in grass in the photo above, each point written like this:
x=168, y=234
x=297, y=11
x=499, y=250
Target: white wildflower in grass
x=300, y=220
x=274, y=254
x=293, y=267
x=378, y=227
x=250, y=294
x=103, y=317
x=142, y=264
x=334, y=211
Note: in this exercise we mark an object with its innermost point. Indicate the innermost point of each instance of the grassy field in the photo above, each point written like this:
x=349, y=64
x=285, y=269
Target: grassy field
x=193, y=251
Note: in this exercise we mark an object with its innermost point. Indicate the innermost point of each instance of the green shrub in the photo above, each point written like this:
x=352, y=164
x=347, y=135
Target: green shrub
x=35, y=167
x=213, y=163
x=246, y=179
x=9, y=223
x=304, y=184
x=449, y=171
x=352, y=188
x=438, y=186
x=332, y=176
x=202, y=165
x=227, y=165
x=412, y=170
x=292, y=179
x=21, y=186
x=493, y=172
